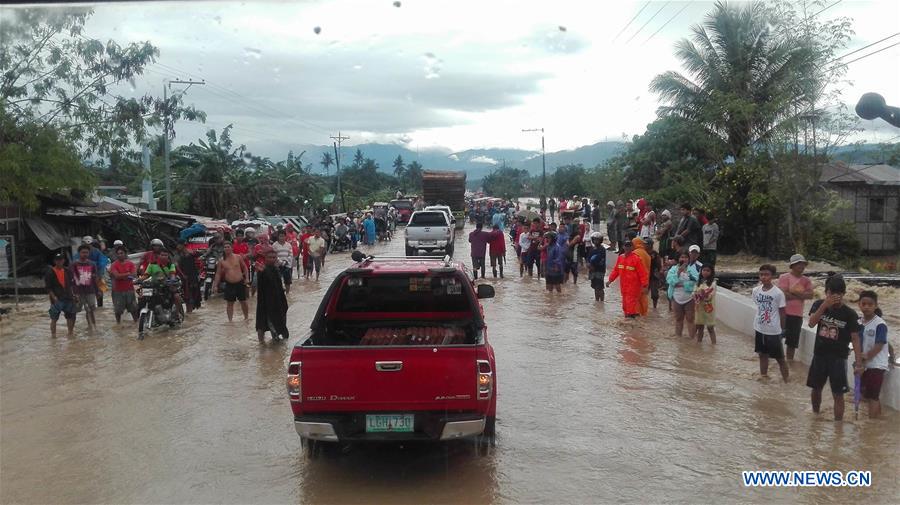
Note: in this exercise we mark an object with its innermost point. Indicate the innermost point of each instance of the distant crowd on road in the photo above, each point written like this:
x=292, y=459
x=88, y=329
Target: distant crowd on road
x=654, y=253
x=657, y=253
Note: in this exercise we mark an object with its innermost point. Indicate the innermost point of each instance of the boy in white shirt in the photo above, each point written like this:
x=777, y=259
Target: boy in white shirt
x=769, y=322
x=874, y=339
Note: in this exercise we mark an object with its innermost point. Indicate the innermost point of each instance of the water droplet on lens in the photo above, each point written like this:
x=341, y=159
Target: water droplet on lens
x=318, y=30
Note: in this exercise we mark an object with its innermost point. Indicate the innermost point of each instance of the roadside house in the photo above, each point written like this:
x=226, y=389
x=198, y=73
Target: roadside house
x=873, y=196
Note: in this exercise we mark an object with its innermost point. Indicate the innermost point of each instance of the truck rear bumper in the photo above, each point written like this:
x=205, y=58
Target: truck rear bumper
x=462, y=429
x=316, y=431
x=432, y=244
x=351, y=427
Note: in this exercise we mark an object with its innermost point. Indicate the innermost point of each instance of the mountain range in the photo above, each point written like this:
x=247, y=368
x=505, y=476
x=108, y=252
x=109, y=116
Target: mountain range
x=477, y=163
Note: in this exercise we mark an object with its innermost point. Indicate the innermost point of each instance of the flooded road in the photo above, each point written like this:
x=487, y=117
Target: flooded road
x=590, y=409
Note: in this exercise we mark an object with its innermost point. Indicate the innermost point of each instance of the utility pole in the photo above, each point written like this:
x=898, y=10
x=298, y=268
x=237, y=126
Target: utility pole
x=167, y=124
x=337, y=162
x=543, y=159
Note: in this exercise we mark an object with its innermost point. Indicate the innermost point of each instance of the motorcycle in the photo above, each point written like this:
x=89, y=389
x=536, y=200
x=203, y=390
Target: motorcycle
x=209, y=272
x=341, y=243
x=158, y=305
x=382, y=230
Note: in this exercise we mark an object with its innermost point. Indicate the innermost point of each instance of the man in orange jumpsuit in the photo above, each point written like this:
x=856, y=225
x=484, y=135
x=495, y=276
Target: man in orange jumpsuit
x=640, y=250
x=634, y=280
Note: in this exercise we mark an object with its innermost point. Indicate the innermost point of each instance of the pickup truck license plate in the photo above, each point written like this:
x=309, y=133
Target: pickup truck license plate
x=428, y=242
x=390, y=423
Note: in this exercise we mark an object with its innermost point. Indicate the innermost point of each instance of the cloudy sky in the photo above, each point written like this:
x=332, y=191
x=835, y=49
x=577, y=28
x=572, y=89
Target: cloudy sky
x=456, y=74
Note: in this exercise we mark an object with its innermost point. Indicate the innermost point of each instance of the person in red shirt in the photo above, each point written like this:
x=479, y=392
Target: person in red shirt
x=634, y=280
x=151, y=256
x=290, y=236
x=497, y=251
x=241, y=248
x=304, y=250
x=123, y=273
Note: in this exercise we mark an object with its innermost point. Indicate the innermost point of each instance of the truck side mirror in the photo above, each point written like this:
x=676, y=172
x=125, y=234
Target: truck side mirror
x=485, y=291
x=357, y=256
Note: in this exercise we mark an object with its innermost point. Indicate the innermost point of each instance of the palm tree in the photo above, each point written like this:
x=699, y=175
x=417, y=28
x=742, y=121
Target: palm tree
x=414, y=175
x=327, y=161
x=399, y=167
x=358, y=158
x=209, y=172
x=741, y=77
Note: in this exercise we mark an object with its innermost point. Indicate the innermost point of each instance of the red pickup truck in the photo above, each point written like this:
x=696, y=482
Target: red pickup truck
x=397, y=351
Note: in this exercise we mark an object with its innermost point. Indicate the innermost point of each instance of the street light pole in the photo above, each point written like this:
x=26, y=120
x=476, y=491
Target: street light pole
x=337, y=159
x=166, y=126
x=543, y=159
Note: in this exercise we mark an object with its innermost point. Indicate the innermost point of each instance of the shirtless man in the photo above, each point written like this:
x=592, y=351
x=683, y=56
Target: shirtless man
x=237, y=278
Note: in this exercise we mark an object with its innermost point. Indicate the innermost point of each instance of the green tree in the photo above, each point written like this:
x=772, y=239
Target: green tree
x=605, y=182
x=669, y=145
x=567, y=180
x=358, y=158
x=36, y=159
x=52, y=75
x=326, y=162
x=414, y=176
x=742, y=77
x=506, y=182
x=211, y=175
x=399, y=167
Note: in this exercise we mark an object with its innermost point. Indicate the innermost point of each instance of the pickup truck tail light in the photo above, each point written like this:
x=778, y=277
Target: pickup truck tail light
x=294, y=382
x=485, y=379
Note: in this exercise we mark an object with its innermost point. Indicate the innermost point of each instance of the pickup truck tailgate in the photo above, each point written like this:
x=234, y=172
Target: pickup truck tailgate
x=389, y=379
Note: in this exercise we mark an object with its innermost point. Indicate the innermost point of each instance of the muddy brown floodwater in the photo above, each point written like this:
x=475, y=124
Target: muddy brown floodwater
x=589, y=410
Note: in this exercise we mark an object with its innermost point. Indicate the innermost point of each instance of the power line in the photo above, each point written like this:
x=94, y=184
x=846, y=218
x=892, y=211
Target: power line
x=826, y=8
x=262, y=133
x=867, y=55
x=308, y=124
x=863, y=48
x=666, y=23
x=648, y=22
x=337, y=159
x=212, y=89
x=632, y=21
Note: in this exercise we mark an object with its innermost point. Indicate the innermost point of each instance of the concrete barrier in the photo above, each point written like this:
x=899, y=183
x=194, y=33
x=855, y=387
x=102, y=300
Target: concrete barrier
x=738, y=311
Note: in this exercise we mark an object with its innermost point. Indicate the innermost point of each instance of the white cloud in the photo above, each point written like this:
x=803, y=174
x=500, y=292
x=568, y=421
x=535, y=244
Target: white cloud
x=483, y=159
x=452, y=73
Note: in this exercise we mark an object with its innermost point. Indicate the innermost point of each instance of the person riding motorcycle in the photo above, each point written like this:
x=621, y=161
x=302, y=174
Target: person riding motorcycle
x=392, y=218
x=164, y=271
x=152, y=256
x=340, y=231
x=215, y=247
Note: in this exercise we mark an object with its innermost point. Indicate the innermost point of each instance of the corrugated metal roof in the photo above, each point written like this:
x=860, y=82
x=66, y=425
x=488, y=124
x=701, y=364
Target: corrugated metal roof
x=48, y=234
x=841, y=173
